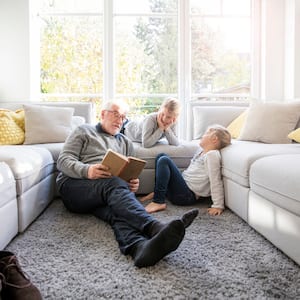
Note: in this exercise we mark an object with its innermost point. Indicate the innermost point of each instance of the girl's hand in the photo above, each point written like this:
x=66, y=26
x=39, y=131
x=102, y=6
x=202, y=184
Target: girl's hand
x=214, y=211
x=160, y=123
x=134, y=185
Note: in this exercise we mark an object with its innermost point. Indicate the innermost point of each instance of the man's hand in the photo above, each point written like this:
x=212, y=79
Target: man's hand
x=98, y=171
x=215, y=211
x=134, y=185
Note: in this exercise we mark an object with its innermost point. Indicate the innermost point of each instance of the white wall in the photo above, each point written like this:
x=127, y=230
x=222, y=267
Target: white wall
x=14, y=50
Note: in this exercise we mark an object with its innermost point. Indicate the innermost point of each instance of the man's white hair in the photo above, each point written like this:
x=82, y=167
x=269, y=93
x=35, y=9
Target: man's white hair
x=118, y=102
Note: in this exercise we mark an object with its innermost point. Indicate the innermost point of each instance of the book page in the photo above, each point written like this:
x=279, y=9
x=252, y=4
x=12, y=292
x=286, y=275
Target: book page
x=133, y=168
x=115, y=161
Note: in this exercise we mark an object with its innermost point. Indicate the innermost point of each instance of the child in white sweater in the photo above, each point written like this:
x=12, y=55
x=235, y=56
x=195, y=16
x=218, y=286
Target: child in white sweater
x=201, y=179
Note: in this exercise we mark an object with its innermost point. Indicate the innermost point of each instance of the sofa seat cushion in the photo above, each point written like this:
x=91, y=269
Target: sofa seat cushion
x=181, y=154
x=8, y=206
x=53, y=148
x=7, y=184
x=238, y=157
x=29, y=164
x=276, y=178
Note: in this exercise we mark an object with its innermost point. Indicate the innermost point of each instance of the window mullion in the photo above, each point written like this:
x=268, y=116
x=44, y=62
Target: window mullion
x=184, y=64
x=108, y=52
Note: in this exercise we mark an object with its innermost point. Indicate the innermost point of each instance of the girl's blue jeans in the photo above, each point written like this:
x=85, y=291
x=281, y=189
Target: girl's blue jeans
x=170, y=183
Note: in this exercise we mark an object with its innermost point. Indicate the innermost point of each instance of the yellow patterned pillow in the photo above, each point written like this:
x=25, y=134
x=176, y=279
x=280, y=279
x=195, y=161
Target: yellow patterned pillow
x=295, y=135
x=11, y=124
x=236, y=125
x=19, y=117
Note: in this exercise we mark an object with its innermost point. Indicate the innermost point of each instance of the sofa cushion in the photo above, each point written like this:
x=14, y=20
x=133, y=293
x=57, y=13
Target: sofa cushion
x=204, y=116
x=235, y=127
x=83, y=109
x=7, y=184
x=295, y=135
x=276, y=178
x=238, y=157
x=181, y=154
x=8, y=206
x=11, y=132
x=270, y=122
x=29, y=164
x=44, y=124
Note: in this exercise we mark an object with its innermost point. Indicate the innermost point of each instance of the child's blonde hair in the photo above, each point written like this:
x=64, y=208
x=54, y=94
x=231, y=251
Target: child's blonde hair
x=222, y=134
x=172, y=105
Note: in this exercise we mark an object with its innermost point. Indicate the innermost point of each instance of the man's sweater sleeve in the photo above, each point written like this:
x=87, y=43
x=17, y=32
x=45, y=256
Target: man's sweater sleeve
x=68, y=161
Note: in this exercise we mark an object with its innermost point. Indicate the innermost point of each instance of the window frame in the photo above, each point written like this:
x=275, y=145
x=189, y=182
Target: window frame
x=184, y=77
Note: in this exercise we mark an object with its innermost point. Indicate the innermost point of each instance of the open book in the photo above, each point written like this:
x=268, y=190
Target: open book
x=125, y=167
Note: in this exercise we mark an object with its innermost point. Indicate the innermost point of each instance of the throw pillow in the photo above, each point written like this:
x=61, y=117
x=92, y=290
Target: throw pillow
x=295, y=135
x=10, y=132
x=77, y=121
x=205, y=116
x=47, y=124
x=237, y=124
x=270, y=122
x=19, y=117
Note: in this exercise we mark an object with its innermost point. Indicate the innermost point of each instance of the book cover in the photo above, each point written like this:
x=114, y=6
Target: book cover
x=125, y=167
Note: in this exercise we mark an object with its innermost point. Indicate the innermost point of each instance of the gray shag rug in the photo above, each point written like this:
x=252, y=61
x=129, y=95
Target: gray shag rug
x=69, y=256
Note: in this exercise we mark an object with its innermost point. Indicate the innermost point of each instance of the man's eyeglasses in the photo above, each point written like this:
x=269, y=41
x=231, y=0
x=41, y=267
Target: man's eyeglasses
x=117, y=115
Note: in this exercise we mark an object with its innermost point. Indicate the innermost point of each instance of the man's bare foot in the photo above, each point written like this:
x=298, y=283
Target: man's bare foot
x=147, y=197
x=154, y=207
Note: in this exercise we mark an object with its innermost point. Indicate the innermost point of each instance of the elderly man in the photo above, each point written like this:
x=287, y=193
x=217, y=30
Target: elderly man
x=86, y=186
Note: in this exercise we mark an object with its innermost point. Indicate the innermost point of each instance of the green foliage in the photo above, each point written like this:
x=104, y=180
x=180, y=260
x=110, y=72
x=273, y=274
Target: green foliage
x=71, y=55
x=146, y=56
x=158, y=35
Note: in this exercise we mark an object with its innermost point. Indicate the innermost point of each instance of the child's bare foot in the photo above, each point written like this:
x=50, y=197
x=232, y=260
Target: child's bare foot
x=154, y=207
x=147, y=197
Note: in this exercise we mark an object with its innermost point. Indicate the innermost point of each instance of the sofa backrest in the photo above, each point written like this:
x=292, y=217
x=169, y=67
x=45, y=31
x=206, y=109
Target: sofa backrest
x=204, y=113
x=82, y=109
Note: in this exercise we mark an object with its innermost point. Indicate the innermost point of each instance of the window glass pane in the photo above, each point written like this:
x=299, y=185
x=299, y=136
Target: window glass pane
x=146, y=55
x=71, y=54
x=204, y=7
x=237, y=7
x=220, y=55
x=91, y=6
x=141, y=106
x=145, y=6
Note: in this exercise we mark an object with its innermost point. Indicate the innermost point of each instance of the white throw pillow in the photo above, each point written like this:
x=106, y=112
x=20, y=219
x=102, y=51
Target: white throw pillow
x=270, y=122
x=77, y=121
x=47, y=124
x=205, y=116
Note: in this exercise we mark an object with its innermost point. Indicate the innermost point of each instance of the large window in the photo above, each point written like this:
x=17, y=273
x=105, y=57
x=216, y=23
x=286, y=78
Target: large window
x=145, y=50
x=220, y=47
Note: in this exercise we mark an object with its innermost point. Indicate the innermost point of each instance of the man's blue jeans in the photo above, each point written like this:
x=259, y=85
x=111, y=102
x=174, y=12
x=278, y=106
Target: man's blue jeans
x=170, y=183
x=110, y=200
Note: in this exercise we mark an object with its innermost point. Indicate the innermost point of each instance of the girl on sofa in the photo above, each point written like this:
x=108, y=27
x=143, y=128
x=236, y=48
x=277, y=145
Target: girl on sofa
x=155, y=126
x=202, y=178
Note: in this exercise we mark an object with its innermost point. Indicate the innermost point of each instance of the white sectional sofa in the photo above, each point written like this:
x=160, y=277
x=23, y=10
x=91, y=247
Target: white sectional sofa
x=8, y=205
x=28, y=175
x=260, y=179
